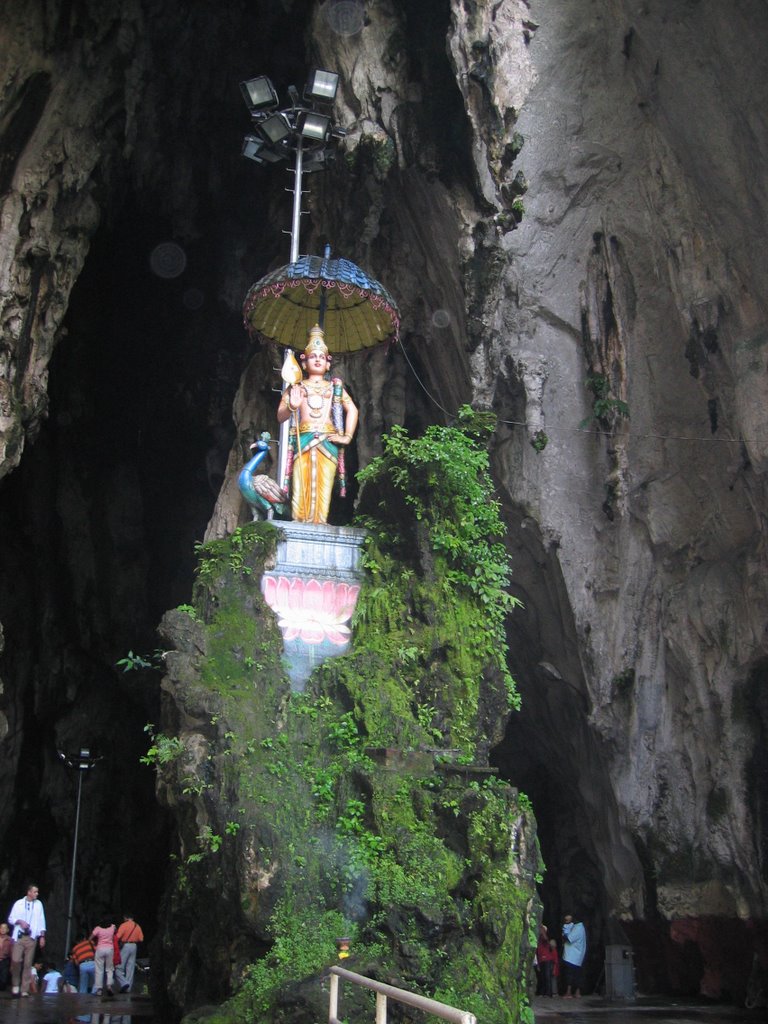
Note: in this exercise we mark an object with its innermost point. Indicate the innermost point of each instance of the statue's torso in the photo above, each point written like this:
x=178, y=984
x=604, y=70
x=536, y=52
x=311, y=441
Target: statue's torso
x=317, y=397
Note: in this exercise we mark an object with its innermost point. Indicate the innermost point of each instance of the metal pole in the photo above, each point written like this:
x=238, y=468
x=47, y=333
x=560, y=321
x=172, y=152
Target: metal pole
x=295, y=222
x=74, y=864
x=285, y=427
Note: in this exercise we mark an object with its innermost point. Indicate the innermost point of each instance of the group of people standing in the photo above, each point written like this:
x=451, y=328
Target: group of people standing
x=106, y=959
x=551, y=965
x=107, y=952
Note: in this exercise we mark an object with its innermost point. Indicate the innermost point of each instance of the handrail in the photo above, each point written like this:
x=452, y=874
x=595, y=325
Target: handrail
x=400, y=995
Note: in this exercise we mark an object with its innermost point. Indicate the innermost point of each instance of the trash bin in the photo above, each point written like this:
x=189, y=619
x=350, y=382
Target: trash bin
x=619, y=973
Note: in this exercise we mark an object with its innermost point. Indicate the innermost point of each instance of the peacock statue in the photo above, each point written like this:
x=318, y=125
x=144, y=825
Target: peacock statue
x=261, y=492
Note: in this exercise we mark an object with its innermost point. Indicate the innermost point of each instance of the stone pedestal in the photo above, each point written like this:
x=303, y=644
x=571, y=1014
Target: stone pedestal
x=313, y=590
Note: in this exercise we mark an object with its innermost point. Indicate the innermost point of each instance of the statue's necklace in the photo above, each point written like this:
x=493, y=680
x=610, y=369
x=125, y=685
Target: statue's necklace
x=316, y=395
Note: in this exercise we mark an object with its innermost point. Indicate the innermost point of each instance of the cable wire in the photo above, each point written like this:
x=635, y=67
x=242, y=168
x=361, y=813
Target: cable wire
x=586, y=431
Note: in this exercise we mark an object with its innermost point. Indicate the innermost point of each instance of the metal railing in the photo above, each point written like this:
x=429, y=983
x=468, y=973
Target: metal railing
x=400, y=995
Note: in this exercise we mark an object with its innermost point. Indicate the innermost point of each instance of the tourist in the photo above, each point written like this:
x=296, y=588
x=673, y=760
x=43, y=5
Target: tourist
x=574, y=951
x=5, y=956
x=543, y=963
x=27, y=919
x=83, y=957
x=34, y=977
x=103, y=936
x=52, y=980
x=129, y=934
x=555, y=971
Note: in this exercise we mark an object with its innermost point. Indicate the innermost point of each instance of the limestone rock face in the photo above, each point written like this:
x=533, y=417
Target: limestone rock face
x=66, y=81
x=568, y=202
x=636, y=263
x=603, y=218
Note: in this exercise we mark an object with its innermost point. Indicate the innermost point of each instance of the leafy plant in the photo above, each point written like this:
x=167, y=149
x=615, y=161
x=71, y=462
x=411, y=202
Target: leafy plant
x=605, y=406
x=163, y=749
x=539, y=441
x=188, y=609
x=444, y=479
x=210, y=840
x=133, y=662
x=231, y=553
x=304, y=942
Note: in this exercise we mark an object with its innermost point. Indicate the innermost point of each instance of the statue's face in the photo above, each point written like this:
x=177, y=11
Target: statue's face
x=317, y=362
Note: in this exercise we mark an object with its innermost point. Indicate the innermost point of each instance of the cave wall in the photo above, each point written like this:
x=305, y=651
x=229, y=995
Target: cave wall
x=639, y=538
x=553, y=193
x=639, y=541
x=122, y=348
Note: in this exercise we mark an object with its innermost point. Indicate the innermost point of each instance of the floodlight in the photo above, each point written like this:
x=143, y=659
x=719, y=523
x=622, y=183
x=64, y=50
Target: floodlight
x=316, y=127
x=251, y=147
x=273, y=156
x=259, y=94
x=321, y=86
x=275, y=128
x=317, y=160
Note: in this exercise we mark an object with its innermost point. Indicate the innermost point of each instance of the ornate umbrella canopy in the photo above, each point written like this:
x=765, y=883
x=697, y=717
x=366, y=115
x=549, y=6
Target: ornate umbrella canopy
x=354, y=310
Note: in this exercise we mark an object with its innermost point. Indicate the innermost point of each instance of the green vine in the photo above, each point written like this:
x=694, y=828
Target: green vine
x=444, y=499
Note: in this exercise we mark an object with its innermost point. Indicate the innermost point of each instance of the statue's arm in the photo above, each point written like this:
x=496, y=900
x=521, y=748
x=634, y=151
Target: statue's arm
x=350, y=418
x=289, y=403
x=350, y=422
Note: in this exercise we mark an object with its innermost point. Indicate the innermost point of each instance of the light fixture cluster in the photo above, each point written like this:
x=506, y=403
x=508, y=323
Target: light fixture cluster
x=81, y=762
x=277, y=133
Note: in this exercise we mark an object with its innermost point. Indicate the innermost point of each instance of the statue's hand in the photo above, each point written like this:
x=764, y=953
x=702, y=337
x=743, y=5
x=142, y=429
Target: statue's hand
x=342, y=439
x=294, y=400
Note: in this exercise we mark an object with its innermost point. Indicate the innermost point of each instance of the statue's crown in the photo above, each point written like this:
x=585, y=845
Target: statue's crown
x=316, y=341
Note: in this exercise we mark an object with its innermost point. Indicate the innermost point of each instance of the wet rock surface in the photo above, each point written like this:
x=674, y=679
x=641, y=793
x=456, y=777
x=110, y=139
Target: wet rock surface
x=585, y=241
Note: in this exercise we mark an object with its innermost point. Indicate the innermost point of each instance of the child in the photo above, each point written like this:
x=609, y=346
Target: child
x=34, y=977
x=543, y=963
x=52, y=981
x=554, y=959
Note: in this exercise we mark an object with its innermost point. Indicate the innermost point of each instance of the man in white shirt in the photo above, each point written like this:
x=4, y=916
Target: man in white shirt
x=27, y=919
x=574, y=951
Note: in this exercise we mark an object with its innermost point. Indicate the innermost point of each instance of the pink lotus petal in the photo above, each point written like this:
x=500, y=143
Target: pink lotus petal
x=339, y=637
x=269, y=590
x=313, y=596
x=339, y=598
x=312, y=633
x=295, y=594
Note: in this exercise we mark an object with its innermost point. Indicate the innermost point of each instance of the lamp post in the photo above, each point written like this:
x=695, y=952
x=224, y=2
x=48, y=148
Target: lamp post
x=303, y=130
x=81, y=763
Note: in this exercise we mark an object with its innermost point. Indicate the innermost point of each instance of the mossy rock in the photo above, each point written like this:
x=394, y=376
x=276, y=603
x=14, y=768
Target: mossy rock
x=308, y=816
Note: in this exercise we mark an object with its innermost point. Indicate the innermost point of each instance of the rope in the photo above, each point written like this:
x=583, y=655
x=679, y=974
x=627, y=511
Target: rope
x=587, y=431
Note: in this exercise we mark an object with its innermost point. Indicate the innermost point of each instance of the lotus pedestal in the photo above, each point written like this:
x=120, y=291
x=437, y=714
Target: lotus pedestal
x=313, y=590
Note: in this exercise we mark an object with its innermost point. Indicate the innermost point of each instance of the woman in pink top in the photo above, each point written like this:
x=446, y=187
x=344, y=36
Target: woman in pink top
x=103, y=938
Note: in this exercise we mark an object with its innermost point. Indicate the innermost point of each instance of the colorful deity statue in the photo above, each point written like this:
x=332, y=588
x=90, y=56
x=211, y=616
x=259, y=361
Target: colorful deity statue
x=323, y=421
